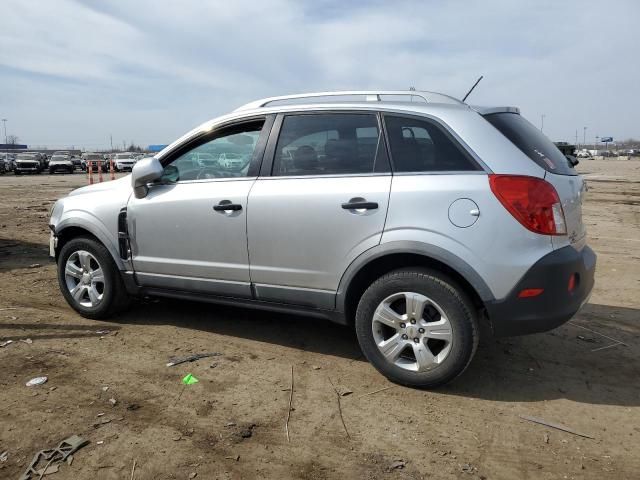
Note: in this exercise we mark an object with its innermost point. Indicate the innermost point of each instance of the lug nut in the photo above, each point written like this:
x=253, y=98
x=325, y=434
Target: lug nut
x=413, y=320
x=417, y=340
x=421, y=330
x=402, y=325
x=404, y=336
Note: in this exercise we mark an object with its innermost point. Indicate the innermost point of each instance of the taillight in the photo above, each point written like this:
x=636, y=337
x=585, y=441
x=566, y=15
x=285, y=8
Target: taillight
x=532, y=201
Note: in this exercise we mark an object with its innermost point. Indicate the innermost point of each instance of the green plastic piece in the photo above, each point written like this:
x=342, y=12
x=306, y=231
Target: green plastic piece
x=189, y=379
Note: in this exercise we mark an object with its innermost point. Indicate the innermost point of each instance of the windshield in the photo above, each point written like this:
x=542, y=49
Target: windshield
x=59, y=157
x=25, y=156
x=93, y=156
x=123, y=155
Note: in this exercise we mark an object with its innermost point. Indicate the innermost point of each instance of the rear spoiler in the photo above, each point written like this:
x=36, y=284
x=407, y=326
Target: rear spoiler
x=490, y=110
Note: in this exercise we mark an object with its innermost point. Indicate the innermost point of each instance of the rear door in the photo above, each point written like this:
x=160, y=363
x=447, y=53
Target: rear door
x=321, y=202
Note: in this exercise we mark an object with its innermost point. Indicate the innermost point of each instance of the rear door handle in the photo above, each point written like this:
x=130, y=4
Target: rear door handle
x=360, y=205
x=226, y=205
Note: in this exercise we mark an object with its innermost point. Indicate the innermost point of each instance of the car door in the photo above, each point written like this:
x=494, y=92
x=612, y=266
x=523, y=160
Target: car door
x=320, y=201
x=189, y=233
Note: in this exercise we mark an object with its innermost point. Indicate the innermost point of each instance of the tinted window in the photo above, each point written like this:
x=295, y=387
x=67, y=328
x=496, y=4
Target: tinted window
x=422, y=146
x=328, y=144
x=228, y=154
x=532, y=142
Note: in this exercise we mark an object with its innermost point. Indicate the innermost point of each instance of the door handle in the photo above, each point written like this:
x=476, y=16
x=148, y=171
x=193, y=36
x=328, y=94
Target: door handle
x=226, y=205
x=360, y=205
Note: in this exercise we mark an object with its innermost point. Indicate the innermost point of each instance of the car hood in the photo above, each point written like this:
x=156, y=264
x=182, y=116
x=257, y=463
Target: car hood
x=123, y=183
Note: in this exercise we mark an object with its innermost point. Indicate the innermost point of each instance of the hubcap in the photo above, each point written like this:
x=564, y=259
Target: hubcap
x=412, y=331
x=84, y=278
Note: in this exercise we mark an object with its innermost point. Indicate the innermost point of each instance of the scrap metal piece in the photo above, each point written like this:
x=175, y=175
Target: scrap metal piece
x=190, y=358
x=59, y=454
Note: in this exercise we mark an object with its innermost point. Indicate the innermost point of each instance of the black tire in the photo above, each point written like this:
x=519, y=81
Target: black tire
x=454, y=302
x=16, y=172
x=114, y=299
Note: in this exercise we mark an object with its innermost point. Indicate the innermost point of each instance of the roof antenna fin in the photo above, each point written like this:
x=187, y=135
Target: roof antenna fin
x=474, y=86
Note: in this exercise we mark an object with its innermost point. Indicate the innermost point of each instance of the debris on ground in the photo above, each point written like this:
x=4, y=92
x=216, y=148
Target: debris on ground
x=248, y=431
x=233, y=457
x=4, y=344
x=546, y=438
x=468, y=468
x=586, y=339
x=113, y=402
x=190, y=358
x=103, y=332
x=343, y=391
x=398, y=464
x=133, y=406
x=557, y=426
x=35, y=265
x=193, y=475
x=4, y=456
x=28, y=341
x=189, y=379
x=36, y=381
x=51, y=458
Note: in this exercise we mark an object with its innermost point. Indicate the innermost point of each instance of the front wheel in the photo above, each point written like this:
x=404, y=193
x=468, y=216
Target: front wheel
x=89, y=279
x=417, y=327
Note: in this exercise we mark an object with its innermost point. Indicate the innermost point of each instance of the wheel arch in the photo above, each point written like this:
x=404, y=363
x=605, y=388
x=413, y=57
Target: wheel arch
x=69, y=230
x=384, y=258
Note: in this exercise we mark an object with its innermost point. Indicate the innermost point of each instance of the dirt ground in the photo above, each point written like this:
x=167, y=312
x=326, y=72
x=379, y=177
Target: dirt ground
x=231, y=423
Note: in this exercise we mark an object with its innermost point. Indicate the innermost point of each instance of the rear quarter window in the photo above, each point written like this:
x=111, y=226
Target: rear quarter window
x=532, y=142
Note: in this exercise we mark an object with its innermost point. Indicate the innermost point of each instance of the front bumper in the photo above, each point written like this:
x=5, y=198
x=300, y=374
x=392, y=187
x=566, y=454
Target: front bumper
x=556, y=305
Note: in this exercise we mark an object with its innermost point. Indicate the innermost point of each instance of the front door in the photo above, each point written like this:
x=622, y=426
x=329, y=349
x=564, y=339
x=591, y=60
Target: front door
x=189, y=233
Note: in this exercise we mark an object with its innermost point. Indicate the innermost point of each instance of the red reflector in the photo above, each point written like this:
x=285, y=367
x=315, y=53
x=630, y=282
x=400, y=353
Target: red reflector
x=572, y=282
x=532, y=201
x=530, y=292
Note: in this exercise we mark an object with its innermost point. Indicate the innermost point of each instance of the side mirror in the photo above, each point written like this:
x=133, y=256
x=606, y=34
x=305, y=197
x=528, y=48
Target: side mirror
x=145, y=171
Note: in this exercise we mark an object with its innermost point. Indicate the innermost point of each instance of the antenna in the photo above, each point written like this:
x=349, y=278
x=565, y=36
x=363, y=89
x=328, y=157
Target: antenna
x=474, y=86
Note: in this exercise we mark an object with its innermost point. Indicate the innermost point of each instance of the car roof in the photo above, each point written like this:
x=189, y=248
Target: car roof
x=426, y=103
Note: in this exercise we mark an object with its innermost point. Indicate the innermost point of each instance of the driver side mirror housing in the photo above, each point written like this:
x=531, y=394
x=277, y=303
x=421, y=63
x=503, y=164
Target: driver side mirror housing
x=144, y=172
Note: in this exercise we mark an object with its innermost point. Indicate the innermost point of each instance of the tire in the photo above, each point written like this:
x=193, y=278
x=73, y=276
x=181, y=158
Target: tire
x=114, y=298
x=16, y=172
x=444, y=337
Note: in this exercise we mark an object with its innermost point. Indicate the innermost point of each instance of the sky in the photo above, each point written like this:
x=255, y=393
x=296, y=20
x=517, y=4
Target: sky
x=78, y=73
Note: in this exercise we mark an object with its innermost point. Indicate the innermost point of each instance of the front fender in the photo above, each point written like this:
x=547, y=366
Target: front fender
x=92, y=224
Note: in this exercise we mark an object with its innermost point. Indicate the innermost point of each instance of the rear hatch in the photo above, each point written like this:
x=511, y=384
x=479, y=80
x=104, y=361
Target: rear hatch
x=558, y=171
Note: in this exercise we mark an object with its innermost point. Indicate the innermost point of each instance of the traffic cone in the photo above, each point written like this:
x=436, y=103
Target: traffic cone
x=99, y=163
x=112, y=173
x=90, y=170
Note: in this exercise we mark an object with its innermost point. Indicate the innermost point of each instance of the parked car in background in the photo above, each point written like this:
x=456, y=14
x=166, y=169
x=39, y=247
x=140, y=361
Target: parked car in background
x=28, y=163
x=96, y=159
x=61, y=163
x=7, y=160
x=124, y=161
x=414, y=222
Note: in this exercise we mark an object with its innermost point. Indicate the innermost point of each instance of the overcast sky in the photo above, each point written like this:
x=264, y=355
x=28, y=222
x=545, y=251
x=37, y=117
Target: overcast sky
x=74, y=72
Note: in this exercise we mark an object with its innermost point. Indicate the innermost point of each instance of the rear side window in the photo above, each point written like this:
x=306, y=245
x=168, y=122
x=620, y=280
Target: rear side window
x=329, y=144
x=421, y=146
x=532, y=142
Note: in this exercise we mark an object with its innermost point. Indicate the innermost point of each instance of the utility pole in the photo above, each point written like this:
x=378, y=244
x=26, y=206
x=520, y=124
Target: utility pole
x=542, y=121
x=4, y=121
x=577, y=138
x=111, y=138
x=584, y=137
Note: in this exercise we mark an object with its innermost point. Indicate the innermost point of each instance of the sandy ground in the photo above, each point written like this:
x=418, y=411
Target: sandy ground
x=231, y=423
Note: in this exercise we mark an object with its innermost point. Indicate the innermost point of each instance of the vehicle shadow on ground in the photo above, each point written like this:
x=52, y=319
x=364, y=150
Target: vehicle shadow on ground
x=16, y=254
x=42, y=331
x=554, y=365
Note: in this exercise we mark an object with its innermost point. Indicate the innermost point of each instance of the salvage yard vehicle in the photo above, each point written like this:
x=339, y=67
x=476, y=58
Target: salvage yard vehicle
x=124, y=161
x=61, y=163
x=28, y=163
x=411, y=216
x=96, y=160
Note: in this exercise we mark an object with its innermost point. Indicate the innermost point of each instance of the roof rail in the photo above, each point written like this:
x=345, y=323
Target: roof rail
x=370, y=96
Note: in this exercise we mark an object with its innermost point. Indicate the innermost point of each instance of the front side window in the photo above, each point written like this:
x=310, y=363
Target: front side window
x=422, y=146
x=227, y=155
x=328, y=144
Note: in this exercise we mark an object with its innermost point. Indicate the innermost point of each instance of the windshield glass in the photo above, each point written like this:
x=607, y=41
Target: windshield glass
x=60, y=157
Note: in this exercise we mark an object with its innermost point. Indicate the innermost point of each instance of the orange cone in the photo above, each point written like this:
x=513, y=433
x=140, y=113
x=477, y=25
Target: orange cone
x=113, y=175
x=90, y=170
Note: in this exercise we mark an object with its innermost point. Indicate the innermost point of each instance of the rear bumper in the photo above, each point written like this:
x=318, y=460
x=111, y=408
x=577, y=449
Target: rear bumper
x=556, y=305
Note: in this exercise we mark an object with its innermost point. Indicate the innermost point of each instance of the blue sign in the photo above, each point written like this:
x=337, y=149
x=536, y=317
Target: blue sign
x=155, y=148
x=606, y=139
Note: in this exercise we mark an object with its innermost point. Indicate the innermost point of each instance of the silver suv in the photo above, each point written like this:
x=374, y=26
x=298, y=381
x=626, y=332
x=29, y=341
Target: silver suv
x=409, y=215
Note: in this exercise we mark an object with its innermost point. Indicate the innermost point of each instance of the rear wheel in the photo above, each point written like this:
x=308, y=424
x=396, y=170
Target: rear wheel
x=417, y=327
x=89, y=279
